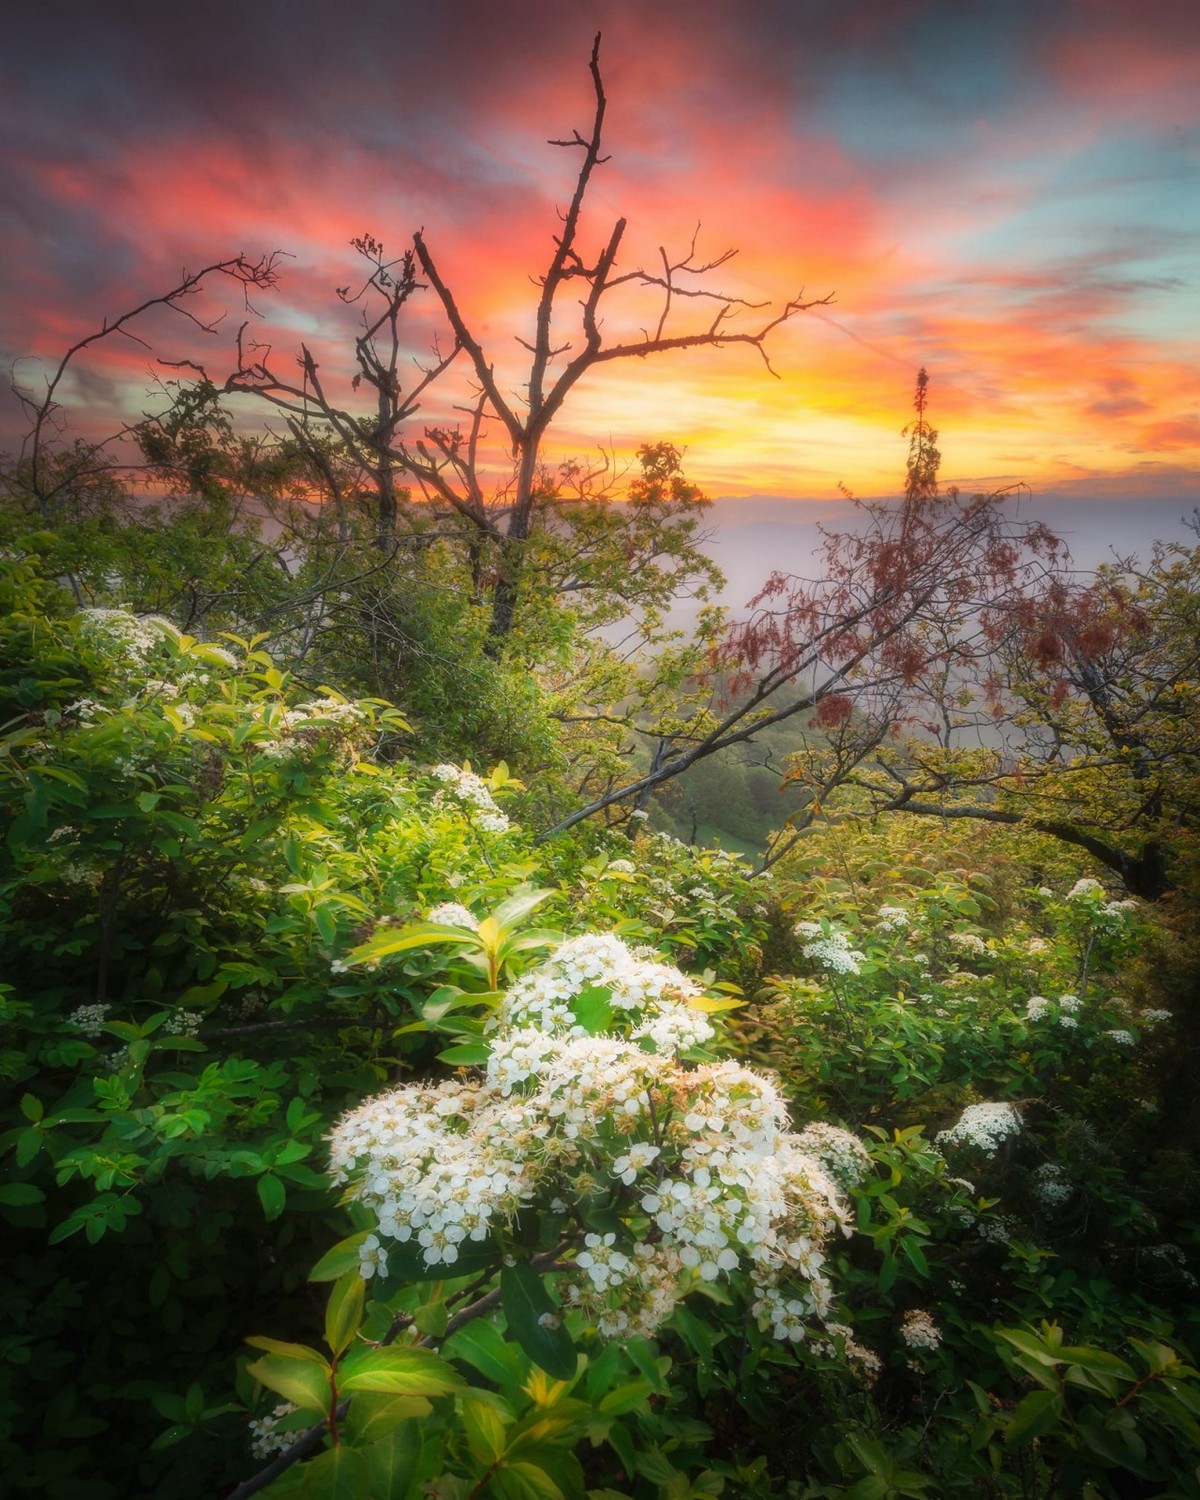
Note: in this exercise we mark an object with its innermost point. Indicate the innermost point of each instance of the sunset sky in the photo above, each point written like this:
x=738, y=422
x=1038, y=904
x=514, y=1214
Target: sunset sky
x=1007, y=193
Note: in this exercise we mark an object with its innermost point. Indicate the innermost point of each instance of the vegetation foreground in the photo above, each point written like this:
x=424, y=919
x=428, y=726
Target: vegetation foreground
x=343, y=1108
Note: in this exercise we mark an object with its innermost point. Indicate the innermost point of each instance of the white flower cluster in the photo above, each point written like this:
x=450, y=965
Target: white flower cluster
x=642, y=988
x=1084, y=888
x=183, y=1023
x=863, y=1361
x=325, y=711
x=968, y=942
x=1052, y=1185
x=892, y=919
x=304, y=726
x=84, y=709
x=136, y=635
x=919, y=1331
x=467, y=790
x=452, y=914
x=265, y=1442
x=703, y=1152
x=842, y=1155
x=1037, y=1008
x=620, y=867
x=88, y=1019
x=1171, y=1260
x=1154, y=1017
x=831, y=950
x=1122, y=1037
x=983, y=1126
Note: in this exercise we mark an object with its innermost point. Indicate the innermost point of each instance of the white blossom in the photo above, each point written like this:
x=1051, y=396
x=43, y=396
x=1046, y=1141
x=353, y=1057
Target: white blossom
x=265, y=1442
x=472, y=794
x=88, y=1020
x=983, y=1126
x=452, y=914
x=842, y=1155
x=919, y=1331
x=1052, y=1185
x=834, y=953
x=704, y=1152
x=183, y=1023
x=892, y=919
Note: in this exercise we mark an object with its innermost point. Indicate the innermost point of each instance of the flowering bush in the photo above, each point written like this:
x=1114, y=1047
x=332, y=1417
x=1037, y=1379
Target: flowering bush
x=583, y=1093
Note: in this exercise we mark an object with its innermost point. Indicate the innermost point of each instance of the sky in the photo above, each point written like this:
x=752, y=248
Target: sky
x=1007, y=194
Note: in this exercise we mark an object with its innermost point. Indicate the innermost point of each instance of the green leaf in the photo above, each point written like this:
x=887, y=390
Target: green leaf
x=299, y=1381
x=484, y=1427
x=288, y=1351
x=1099, y=1360
x=342, y=1258
x=340, y=1474
x=421, y=935
x=593, y=1010
x=466, y=1054
x=272, y=1195
x=20, y=1195
x=403, y=1372
x=171, y=1435
x=29, y=1143
x=626, y=1398
x=533, y=1318
x=650, y=1366
x=31, y=1107
x=431, y=1319
x=525, y=1481
x=375, y=1414
x=916, y=1256
x=481, y=1345
x=1031, y=1345
x=392, y=1462
x=406, y=1261
x=1036, y=1414
x=344, y=1312
x=510, y=912
x=873, y=1487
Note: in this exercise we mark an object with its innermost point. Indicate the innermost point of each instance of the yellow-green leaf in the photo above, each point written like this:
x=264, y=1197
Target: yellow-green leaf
x=344, y=1312
x=298, y=1381
x=404, y=1372
x=288, y=1351
x=340, y=1474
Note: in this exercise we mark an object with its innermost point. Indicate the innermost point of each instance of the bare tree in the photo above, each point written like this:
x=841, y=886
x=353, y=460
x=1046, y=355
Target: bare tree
x=46, y=475
x=446, y=461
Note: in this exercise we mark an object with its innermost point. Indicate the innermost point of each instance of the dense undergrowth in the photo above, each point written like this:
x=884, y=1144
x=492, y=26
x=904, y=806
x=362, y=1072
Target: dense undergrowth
x=874, y=1179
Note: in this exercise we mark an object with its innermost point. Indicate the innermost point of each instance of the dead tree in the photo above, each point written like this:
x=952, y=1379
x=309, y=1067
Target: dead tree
x=446, y=461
